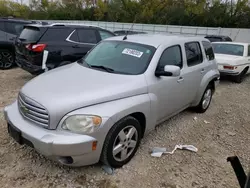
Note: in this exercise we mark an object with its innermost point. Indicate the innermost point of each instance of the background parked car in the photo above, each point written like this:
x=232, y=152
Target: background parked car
x=124, y=32
x=45, y=47
x=215, y=38
x=233, y=59
x=9, y=29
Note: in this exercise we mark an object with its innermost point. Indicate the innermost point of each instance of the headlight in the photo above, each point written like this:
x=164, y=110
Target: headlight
x=82, y=123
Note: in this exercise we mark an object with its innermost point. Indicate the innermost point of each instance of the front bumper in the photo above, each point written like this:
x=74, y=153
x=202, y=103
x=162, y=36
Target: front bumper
x=55, y=144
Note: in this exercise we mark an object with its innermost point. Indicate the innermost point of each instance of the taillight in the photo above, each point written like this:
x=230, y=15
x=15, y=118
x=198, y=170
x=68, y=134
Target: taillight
x=36, y=47
x=229, y=67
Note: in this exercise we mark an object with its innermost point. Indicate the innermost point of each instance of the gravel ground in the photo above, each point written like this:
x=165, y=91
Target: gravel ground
x=224, y=130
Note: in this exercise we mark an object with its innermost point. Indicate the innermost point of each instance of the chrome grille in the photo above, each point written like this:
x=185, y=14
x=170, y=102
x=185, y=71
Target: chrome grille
x=33, y=111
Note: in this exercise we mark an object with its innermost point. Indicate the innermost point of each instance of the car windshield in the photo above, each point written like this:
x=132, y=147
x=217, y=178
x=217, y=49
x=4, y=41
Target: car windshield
x=119, y=57
x=229, y=49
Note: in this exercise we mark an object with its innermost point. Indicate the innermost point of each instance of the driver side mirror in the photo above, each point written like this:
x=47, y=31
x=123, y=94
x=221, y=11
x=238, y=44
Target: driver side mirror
x=169, y=70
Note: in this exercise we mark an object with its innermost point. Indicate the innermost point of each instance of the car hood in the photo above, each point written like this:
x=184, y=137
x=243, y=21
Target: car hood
x=74, y=86
x=228, y=59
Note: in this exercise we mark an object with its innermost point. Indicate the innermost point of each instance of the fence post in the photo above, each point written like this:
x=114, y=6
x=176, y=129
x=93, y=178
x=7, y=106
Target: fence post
x=219, y=29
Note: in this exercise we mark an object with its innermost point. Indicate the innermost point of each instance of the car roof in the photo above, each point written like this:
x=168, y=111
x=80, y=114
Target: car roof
x=16, y=20
x=157, y=39
x=67, y=25
x=227, y=42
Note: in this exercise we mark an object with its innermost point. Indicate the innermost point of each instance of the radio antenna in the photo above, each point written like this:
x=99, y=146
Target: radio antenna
x=125, y=37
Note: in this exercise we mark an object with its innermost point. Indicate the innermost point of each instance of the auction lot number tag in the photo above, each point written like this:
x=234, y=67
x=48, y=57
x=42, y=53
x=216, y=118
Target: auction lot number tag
x=132, y=52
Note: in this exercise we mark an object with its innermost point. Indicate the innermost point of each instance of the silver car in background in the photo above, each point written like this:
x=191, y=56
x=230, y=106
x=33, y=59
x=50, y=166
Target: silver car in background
x=98, y=109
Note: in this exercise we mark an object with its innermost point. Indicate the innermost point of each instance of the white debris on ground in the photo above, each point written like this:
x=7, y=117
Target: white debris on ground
x=157, y=152
x=226, y=134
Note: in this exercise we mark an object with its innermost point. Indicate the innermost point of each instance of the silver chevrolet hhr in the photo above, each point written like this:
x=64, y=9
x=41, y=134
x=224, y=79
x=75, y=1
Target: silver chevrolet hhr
x=99, y=108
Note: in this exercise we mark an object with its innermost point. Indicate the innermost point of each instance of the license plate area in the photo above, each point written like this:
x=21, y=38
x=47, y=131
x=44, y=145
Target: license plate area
x=15, y=134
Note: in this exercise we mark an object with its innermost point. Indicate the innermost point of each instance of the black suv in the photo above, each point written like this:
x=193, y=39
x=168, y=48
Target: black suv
x=44, y=47
x=9, y=29
x=218, y=38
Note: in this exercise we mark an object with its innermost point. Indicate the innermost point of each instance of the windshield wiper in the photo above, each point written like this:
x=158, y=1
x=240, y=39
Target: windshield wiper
x=102, y=67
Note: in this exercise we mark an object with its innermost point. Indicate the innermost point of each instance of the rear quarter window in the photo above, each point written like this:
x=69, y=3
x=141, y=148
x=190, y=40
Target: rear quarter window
x=56, y=34
x=208, y=50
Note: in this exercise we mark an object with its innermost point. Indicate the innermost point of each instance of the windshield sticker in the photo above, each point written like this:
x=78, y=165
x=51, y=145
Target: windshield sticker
x=132, y=52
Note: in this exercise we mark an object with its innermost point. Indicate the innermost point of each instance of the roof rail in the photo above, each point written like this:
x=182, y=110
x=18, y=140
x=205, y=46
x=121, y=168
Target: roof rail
x=65, y=24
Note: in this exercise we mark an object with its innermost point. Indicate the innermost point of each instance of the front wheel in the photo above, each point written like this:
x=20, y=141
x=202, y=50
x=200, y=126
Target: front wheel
x=122, y=142
x=6, y=59
x=205, y=100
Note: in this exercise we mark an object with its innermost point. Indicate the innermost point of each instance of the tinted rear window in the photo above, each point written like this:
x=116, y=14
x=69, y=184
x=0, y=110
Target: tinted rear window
x=213, y=39
x=30, y=34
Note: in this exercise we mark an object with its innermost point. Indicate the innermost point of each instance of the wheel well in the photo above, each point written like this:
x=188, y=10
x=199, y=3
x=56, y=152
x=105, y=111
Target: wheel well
x=142, y=120
x=246, y=69
x=8, y=47
x=213, y=84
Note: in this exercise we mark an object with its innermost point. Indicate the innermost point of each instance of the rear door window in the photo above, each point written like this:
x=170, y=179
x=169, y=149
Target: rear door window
x=30, y=34
x=56, y=34
x=87, y=36
x=193, y=53
x=208, y=50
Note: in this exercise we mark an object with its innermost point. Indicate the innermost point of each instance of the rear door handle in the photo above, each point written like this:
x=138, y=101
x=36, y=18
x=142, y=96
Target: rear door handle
x=202, y=71
x=75, y=46
x=180, y=80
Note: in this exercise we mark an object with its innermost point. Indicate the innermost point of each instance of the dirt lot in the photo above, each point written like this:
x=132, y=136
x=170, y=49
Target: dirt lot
x=226, y=134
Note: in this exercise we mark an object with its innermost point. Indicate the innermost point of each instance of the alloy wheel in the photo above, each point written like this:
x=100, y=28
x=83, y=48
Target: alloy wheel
x=125, y=143
x=207, y=99
x=6, y=59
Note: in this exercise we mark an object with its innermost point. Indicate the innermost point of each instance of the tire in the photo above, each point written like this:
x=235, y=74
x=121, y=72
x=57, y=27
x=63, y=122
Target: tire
x=239, y=78
x=127, y=148
x=7, y=59
x=207, y=95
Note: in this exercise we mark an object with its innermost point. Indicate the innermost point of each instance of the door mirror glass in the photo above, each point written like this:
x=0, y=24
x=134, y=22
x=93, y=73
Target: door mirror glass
x=169, y=70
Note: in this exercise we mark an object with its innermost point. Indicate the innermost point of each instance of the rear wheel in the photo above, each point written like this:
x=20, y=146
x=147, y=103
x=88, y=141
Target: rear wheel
x=205, y=100
x=122, y=142
x=6, y=59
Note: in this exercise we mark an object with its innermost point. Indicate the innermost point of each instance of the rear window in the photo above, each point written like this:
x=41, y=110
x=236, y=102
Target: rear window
x=229, y=49
x=30, y=34
x=213, y=39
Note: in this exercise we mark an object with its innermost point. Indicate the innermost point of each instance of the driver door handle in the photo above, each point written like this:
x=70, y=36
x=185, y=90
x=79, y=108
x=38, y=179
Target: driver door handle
x=180, y=80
